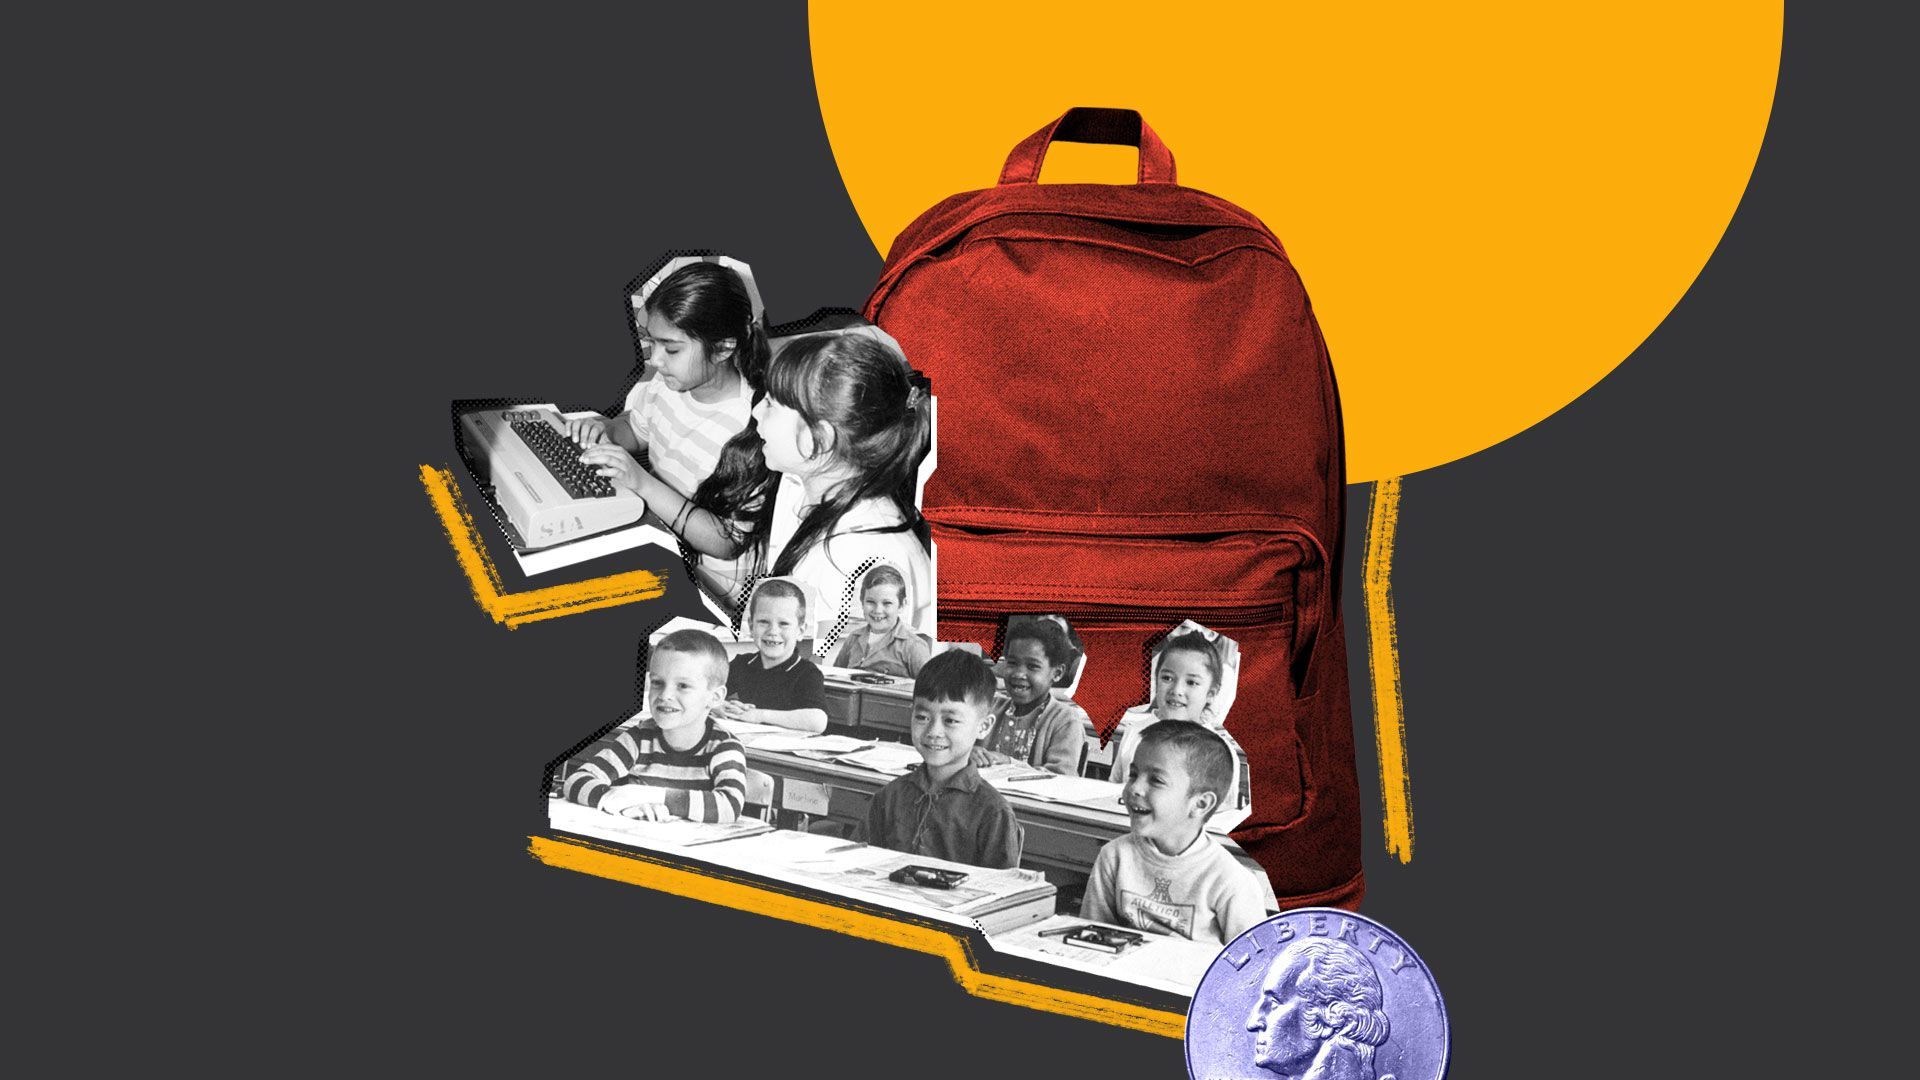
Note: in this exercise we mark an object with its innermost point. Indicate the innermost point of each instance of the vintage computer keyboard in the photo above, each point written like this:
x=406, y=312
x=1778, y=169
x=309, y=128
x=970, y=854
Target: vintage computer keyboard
x=534, y=468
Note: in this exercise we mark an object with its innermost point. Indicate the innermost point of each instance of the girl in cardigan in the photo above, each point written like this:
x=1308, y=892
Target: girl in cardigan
x=1030, y=724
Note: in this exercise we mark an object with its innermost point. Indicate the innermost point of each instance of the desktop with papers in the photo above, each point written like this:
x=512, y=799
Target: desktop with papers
x=1066, y=819
x=1014, y=909
x=992, y=901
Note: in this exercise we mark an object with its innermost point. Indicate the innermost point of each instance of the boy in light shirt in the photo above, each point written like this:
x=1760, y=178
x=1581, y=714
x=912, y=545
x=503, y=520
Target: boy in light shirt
x=1168, y=875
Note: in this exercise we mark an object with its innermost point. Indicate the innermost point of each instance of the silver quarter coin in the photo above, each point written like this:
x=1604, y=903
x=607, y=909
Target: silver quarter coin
x=1320, y=993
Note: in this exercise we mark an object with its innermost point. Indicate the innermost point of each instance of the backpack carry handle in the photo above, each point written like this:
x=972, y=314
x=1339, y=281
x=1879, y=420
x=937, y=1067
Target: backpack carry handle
x=1111, y=127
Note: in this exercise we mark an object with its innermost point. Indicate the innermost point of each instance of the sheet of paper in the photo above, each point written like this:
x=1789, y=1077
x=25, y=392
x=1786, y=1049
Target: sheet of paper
x=670, y=834
x=746, y=731
x=1074, y=789
x=844, y=857
x=869, y=876
x=786, y=847
x=822, y=744
x=895, y=758
x=753, y=738
x=1167, y=963
x=1007, y=770
x=1044, y=937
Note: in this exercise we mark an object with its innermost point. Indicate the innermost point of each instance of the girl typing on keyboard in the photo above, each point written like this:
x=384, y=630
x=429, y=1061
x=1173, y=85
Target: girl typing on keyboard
x=705, y=350
x=820, y=481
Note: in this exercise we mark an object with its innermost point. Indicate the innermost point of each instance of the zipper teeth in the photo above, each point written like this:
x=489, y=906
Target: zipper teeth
x=925, y=253
x=966, y=225
x=1251, y=615
x=1236, y=610
x=969, y=236
x=1225, y=525
x=1196, y=535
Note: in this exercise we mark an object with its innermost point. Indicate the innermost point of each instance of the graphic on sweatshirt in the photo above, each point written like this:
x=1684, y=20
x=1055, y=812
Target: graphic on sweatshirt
x=1157, y=911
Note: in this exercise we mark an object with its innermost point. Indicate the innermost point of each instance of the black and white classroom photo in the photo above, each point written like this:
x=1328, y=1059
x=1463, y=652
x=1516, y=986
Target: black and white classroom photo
x=967, y=788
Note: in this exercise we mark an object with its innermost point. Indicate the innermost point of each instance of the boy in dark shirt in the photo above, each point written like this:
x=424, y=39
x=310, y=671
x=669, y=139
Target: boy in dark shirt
x=778, y=685
x=943, y=808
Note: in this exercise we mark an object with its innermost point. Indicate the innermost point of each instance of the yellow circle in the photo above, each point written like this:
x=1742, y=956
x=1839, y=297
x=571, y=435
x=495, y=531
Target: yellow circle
x=1491, y=208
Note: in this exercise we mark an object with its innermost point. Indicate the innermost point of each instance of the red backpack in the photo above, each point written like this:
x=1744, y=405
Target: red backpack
x=1138, y=425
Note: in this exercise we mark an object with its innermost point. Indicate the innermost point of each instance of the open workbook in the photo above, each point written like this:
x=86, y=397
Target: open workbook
x=995, y=900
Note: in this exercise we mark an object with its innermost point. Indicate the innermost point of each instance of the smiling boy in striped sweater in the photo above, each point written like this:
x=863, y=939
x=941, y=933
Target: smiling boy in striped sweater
x=676, y=762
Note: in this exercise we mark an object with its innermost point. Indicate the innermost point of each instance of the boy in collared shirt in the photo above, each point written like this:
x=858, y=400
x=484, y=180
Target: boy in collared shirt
x=943, y=808
x=779, y=684
x=886, y=645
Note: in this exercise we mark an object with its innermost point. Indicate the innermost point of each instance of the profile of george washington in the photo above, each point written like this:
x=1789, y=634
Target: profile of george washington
x=1319, y=1016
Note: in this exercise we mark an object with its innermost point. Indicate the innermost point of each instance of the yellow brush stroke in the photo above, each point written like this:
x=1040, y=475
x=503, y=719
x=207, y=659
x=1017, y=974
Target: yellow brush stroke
x=513, y=609
x=1383, y=660
x=715, y=888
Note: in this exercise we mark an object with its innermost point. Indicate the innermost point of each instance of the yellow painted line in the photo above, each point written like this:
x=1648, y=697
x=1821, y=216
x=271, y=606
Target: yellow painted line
x=715, y=887
x=1383, y=661
x=514, y=609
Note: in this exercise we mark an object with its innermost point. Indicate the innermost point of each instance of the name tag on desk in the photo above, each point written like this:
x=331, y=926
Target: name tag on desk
x=803, y=797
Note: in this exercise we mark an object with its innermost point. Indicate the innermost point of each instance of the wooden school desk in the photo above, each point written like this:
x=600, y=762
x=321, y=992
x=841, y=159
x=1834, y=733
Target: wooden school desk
x=1173, y=964
x=885, y=710
x=826, y=864
x=1169, y=964
x=868, y=709
x=1062, y=837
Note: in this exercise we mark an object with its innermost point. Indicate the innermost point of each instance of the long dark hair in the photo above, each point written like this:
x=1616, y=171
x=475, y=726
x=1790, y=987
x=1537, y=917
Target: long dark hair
x=878, y=408
x=709, y=303
x=739, y=491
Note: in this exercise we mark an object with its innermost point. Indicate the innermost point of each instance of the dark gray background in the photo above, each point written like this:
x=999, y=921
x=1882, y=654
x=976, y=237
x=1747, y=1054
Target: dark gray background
x=1649, y=647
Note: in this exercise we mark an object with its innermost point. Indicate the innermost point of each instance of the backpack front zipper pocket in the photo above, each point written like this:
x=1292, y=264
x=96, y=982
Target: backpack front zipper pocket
x=1122, y=594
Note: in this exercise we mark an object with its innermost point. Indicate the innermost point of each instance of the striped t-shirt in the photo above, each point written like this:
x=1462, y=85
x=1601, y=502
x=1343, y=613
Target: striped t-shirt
x=684, y=437
x=706, y=783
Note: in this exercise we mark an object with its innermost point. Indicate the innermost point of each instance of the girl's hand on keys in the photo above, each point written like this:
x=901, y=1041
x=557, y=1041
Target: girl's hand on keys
x=587, y=430
x=616, y=465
